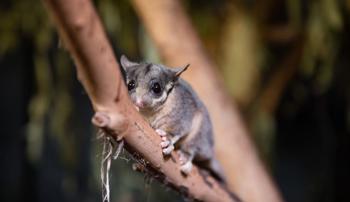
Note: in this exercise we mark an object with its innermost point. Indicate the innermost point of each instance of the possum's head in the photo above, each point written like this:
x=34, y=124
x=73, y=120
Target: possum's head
x=149, y=85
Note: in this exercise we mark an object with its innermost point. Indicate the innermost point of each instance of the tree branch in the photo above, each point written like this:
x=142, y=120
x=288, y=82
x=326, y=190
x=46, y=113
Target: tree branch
x=83, y=35
x=286, y=70
x=178, y=44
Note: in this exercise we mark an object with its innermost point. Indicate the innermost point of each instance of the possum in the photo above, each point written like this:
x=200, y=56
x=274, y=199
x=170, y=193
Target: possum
x=175, y=112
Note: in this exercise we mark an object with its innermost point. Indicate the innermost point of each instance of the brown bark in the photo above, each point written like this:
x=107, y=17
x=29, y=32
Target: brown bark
x=83, y=35
x=178, y=44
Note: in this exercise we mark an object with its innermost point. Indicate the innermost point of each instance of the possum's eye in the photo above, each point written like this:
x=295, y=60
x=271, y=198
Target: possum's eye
x=156, y=88
x=131, y=85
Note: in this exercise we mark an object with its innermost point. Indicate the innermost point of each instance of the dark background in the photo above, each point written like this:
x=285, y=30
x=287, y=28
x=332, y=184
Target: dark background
x=285, y=63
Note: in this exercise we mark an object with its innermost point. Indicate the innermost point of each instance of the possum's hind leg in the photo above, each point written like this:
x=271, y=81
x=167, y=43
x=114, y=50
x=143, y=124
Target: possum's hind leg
x=186, y=159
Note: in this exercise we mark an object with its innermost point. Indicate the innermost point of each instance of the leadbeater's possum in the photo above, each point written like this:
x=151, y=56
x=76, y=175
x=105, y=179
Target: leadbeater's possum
x=175, y=111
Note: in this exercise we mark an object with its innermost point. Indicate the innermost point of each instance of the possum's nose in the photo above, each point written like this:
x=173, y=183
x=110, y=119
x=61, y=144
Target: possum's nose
x=140, y=103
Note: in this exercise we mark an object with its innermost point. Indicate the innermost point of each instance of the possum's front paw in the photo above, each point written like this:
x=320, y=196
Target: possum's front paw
x=167, y=146
x=160, y=132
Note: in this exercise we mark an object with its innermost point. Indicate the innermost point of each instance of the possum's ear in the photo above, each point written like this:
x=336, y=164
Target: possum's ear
x=178, y=71
x=126, y=63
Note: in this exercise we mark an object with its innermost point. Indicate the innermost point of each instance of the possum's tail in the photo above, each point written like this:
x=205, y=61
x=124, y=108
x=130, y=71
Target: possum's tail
x=216, y=170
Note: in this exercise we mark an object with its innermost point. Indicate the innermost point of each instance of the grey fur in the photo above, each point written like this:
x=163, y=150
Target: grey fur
x=177, y=111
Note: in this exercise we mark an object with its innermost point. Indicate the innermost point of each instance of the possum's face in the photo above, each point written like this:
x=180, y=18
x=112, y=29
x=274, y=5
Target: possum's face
x=148, y=84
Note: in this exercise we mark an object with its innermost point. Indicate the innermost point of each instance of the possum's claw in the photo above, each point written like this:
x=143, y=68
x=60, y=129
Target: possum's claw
x=161, y=132
x=164, y=143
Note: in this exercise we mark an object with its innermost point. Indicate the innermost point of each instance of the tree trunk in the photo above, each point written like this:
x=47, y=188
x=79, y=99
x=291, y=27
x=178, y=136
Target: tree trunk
x=178, y=44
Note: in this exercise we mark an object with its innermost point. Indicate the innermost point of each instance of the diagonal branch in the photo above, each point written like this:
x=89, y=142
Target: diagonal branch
x=82, y=33
x=178, y=44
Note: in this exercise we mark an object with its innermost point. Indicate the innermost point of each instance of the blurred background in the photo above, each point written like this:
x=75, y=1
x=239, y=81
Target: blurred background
x=286, y=64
